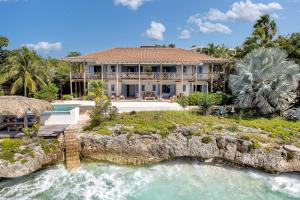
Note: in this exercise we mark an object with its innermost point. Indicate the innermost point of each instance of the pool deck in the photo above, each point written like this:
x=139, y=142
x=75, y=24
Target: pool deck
x=128, y=106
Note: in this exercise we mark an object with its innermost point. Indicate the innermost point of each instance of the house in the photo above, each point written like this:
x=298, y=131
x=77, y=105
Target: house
x=134, y=72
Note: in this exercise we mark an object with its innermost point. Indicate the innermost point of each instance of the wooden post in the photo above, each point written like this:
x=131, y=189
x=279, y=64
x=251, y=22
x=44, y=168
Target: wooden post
x=71, y=84
x=212, y=78
x=139, y=81
x=84, y=79
x=196, y=72
x=160, y=85
x=102, y=72
x=117, y=74
x=182, y=77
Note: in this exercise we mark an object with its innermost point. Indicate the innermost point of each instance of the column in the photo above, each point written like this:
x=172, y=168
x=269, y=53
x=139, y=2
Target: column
x=160, y=85
x=84, y=79
x=102, y=72
x=212, y=78
x=117, y=74
x=71, y=85
x=139, y=81
x=182, y=77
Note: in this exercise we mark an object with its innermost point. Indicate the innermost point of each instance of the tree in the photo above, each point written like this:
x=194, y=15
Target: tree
x=265, y=80
x=48, y=92
x=264, y=31
x=291, y=44
x=73, y=54
x=27, y=70
x=96, y=89
x=3, y=53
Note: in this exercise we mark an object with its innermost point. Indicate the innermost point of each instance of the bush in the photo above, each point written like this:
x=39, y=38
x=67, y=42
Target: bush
x=205, y=103
x=254, y=144
x=220, y=98
x=196, y=98
x=1, y=92
x=206, y=140
x=67, y=97
x=183, y=101
x=47, y=92
x=112, y=112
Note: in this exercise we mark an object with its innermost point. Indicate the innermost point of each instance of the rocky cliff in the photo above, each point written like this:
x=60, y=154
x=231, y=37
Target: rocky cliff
x=28, y=163
x=144, y=149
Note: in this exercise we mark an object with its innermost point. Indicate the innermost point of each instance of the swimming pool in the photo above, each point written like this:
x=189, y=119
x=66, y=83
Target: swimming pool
x=61, y=114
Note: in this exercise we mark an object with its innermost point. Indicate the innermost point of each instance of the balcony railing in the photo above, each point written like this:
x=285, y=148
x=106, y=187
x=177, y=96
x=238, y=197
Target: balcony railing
x=144, y=76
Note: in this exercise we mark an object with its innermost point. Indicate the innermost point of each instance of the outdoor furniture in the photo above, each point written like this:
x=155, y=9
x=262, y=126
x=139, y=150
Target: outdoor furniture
x=14, y=127
x=122, y=97
x=149, y=96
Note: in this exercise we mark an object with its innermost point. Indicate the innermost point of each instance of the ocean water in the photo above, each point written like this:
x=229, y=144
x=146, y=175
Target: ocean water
x=175, y=180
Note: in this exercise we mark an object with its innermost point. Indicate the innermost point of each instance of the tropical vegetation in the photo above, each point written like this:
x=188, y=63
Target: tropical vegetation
x=266, y=81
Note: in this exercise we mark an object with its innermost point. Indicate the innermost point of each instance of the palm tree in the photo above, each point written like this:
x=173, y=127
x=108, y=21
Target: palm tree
x=97, y=89
x=26, y=70
x=265, y=30
x=265, y=80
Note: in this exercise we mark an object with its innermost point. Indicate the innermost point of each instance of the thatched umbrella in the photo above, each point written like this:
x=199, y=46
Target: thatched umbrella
x=19, y=106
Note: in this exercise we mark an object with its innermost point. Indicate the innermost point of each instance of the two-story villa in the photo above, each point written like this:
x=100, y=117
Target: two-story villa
x=132, y=72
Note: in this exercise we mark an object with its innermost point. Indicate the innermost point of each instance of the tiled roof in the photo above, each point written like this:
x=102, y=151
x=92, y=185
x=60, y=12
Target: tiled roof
x=146, y=55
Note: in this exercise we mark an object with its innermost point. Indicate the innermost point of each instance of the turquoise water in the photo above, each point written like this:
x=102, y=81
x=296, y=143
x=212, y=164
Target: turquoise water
x=63, y=108
x=176, y=180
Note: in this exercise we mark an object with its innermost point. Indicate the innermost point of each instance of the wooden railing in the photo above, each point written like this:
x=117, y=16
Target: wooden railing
x=144, y=76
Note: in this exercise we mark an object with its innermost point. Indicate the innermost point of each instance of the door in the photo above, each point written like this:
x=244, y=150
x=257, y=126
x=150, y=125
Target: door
x=131, y=90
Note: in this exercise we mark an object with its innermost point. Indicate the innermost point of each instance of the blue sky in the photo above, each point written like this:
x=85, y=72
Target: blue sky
x=55, y=27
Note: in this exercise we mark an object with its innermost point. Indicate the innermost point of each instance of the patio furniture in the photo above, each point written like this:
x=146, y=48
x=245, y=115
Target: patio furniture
x=122, y=97
x=149, y=96
x=14, y=127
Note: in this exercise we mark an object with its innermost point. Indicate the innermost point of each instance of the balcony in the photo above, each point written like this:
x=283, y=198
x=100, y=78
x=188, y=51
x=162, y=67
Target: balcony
x=145, y=76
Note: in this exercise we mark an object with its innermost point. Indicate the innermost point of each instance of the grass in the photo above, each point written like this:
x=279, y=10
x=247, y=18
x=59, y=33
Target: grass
x=164, y=122
x=49, y=145
x=11, y=147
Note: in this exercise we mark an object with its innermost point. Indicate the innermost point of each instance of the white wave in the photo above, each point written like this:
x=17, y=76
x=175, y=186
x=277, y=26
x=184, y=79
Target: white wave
x=288, y=184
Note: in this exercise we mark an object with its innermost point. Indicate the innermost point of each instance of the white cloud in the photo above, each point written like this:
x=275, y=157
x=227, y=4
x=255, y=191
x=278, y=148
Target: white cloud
x=208, y=27
x=156, y=31
x=131, y=4
x=185, y=34
x=244, y=10
x=44, y=46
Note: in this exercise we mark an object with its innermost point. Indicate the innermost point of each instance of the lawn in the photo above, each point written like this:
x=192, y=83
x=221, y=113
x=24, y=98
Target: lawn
x=164, y=122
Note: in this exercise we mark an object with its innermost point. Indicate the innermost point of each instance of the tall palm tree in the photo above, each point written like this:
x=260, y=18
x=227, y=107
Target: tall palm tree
x=265, y=80
x=265, y=30
x=26, y=70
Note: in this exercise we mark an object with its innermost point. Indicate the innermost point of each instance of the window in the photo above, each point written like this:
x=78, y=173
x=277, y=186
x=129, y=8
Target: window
x=154, y=88
x=184, y=69
x=112, y=87
x=184, y=88
x=200, y=69
x=143, y=88
x=113, y=68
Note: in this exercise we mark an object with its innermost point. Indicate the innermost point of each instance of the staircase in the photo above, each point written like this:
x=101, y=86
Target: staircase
x=72, y=148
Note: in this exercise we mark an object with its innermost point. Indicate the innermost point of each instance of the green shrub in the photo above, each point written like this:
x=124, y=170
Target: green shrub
x=290, y=155
x=205, y=103
x=1, y=92
x=195, y=98
x=49, y=145
x=254, y=144
x=85, y=98
x=113, y=112
x=67, y=97
x=183, y=101
x=206, y=140
x=47, y=92
x=219, y=98
x=8, y=149
x=104, y=131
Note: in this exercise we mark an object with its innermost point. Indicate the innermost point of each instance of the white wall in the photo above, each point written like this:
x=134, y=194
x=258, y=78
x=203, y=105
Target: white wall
x=60, y=118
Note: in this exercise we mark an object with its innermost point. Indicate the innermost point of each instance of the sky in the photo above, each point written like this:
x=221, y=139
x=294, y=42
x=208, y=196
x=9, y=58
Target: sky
x=56, y=27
